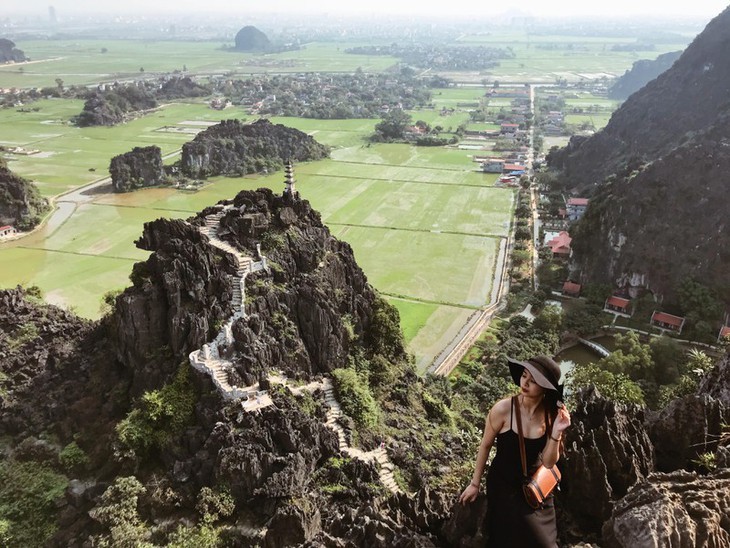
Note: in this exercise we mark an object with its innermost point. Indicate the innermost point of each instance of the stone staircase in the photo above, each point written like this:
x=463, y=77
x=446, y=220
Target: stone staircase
x=209, y=361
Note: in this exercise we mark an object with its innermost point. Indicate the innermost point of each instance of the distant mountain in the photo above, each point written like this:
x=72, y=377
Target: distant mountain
x=9, y=53
x=659, y=177
x=251, y=39
x=641, y=73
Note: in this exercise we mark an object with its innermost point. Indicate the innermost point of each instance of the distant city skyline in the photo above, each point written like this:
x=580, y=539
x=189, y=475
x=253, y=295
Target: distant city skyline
x=456, y=8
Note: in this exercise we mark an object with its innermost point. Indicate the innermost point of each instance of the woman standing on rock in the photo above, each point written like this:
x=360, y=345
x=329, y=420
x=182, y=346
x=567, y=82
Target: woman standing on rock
x=511, y=521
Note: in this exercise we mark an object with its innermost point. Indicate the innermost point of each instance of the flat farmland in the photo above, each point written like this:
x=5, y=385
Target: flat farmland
x=541, y=58
x=70, y=156
x=83, y=61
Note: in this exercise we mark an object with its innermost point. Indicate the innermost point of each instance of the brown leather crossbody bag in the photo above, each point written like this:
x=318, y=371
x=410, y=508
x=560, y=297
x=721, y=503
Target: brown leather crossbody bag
x=537, y=487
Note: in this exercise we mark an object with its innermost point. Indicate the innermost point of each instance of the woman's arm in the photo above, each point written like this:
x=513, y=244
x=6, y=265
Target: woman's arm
x=492, y=426
x=551, y=453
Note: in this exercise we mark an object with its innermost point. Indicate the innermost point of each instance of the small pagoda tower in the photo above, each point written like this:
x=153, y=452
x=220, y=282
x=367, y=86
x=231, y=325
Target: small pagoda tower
x=290, y=189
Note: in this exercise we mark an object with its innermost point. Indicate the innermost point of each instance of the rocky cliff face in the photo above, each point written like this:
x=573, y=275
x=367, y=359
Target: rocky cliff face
x=672, y=510
x=179, y=295
x=21, y=205
x=641, y=73
x=139, y=168
x=235, y=148
x=656, y=220
x=683, y=101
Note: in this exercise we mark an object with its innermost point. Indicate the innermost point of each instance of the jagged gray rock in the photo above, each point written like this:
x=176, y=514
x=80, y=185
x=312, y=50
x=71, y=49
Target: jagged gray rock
x=674, y=510
x=607, y=451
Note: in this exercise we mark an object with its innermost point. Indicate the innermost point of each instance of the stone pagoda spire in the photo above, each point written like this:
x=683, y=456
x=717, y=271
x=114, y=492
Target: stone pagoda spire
x=289, y=180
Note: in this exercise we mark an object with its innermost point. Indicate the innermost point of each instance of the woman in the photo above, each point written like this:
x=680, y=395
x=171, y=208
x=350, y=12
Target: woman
x=511, y=521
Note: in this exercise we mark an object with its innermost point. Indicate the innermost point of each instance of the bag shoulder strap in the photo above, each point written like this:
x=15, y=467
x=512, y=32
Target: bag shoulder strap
x=523, y=458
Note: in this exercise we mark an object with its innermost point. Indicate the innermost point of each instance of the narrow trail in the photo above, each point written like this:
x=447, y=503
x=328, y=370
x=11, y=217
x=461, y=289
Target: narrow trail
x=212, y=361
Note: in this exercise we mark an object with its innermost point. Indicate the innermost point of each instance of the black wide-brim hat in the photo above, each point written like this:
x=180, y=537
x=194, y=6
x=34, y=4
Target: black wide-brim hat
x=544, y=370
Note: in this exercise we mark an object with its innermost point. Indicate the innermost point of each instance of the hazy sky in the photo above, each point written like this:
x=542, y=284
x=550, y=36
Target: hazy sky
x=694, y=8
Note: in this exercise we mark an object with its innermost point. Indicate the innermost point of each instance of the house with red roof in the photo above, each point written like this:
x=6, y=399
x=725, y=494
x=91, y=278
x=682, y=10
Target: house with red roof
x=618, y=305
x=724, y=333
x=571, y=289
x=667, y=322
x=576, y=207
x=509, y=128
x=560, y=245
x=7, y=230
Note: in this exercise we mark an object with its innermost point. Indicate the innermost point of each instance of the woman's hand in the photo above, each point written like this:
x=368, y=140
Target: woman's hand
x=562, y=421
x=469, y=494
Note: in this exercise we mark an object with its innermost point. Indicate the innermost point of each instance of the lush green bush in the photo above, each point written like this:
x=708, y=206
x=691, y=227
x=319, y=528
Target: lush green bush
x=73, y=458
x=615, y=387
x=161, y=414
x=28, y=492
x=354, y=396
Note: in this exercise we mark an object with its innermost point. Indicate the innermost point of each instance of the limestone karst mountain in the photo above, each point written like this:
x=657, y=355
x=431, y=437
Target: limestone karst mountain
x=641, y=73
x=21, y=205
x=250, y=38
x=658, y=176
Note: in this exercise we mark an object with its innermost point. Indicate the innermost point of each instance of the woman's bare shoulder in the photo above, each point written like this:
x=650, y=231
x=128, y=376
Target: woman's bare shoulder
x=500, y=413
x=502, y=408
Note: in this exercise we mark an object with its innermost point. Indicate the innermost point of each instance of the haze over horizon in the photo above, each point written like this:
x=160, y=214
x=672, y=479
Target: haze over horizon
x=466, y=8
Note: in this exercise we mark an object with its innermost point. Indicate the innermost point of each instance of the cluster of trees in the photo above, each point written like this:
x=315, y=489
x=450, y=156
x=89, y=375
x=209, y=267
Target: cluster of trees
x=332, y=96
x=440, y=57
x=397, y=125
x=649, y=374
x=235, y=148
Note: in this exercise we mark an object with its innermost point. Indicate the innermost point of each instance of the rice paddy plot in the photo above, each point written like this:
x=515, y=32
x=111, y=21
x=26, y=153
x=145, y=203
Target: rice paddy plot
x=439, y=268
x=402, y=172
x=67, y=280
x=432, y=332
x=411, y=206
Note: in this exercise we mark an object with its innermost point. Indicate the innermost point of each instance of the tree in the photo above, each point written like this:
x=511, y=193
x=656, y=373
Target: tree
x=615, y=387
x=550, y=319
x=393, y=125
x=630, y=357
x=667, y=355
x=583, y=319
x=118, y=513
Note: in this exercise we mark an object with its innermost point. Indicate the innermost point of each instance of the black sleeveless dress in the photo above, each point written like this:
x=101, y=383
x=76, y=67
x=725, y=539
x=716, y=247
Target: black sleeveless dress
x=512, y=523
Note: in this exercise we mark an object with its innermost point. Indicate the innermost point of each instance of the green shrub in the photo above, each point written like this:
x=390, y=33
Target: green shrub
x=72, y=457
x=161, y=415
x=28, y=492
x=355, y=397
